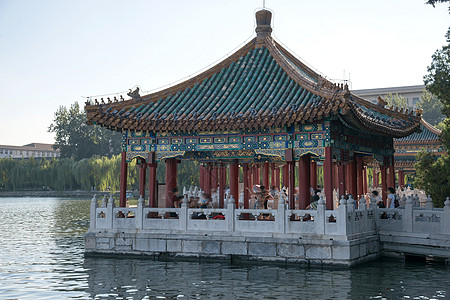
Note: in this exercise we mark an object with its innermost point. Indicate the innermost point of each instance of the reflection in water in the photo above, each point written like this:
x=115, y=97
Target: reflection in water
x=41, y=257
x=141, y=277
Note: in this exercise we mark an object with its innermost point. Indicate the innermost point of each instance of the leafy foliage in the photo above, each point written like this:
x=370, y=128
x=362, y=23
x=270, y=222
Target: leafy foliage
x=97, y=172
x=434, y=2
x=433, y=176
x=396, y=100
x=432, y=108
x=437, y=80
x=77, y=140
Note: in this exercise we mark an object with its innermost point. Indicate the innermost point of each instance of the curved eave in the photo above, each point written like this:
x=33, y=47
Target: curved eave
x=365, y=122
x=431, y=127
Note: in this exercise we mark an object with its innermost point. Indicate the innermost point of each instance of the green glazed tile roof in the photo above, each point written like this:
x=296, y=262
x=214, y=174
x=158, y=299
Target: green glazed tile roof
x=428, y=133
x=261, y=85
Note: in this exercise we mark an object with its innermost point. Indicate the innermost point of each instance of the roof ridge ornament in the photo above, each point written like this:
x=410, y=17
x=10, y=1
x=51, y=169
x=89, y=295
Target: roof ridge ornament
x=263, y=28
x=134, y=94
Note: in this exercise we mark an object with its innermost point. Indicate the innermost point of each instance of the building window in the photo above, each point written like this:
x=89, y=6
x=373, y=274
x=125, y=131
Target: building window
x=415, y=101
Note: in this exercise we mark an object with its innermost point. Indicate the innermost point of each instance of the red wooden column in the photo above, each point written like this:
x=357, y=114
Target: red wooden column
x=291, y=185
x=365, y=187
x=291, y=176
x=272, y=175
x=207, y=179
x=234, y=181
x=334, y=171
x=277, y=177
x=401, y=179
x=383, y=172
x=202, y=177
x=388, y=178
x=328, y=177
x=152, y=201
x=142, y=177
x=171, y=179
x=313, y=175
x=375, y=178
x=341, y=178
x=285, y=171
x=247, y=171
x=359, y=177
x=304, y=179
x=214, y=177
x=222, y=184
x=391, y=172
x=352, y=178
x=123, y=179
x=266, y=175
x=256, y=174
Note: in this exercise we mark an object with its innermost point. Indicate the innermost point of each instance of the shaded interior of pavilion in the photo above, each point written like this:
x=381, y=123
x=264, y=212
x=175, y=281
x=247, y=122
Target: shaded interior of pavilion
x=356, y=176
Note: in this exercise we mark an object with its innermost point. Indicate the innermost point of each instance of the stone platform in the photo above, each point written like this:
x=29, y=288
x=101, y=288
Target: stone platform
x=280, y=248
x=343, y=237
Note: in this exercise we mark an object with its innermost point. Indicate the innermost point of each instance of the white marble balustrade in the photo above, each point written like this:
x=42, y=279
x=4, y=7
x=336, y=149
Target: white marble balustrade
x=345, y=221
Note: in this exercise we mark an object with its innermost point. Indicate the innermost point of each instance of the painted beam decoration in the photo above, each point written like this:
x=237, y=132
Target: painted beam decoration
x=266, y=144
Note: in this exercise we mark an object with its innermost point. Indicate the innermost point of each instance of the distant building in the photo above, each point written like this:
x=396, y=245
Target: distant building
x=412, y=93
x=36, y=150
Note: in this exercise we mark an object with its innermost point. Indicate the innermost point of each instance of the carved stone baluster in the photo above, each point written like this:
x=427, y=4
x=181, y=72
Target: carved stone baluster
x=93, y=212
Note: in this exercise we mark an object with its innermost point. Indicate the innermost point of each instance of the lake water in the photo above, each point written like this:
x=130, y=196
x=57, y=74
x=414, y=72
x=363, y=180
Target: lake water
x=41, y=257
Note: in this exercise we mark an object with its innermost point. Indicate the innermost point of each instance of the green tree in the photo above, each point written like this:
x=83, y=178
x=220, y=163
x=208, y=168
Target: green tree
x=434, y=2
x=77, y=140
x=396, y=100
x=432, y=108
x=433, y=176
x=437, y=80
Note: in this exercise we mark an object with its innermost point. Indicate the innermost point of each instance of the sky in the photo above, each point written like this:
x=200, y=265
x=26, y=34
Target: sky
x=54, y=53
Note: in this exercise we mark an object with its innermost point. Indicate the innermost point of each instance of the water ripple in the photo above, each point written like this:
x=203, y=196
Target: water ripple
x=41, y=257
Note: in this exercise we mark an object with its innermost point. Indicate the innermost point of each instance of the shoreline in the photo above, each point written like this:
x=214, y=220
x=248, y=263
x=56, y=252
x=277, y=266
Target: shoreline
x=68, y=194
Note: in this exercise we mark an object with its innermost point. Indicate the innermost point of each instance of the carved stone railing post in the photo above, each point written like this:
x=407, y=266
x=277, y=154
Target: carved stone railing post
x=110, y=212
x=104, y=201
x=140, y=213
x=408, y=217
x=184, y=214
x=362, y=203
x=342, y=219
x=350, y=211
x=429, y=203
x=350, y=203
x=93, y=214
x=320, y=217
x=230, y=218
x=373, y=202
x=403, y=200
x=281, y=215
x=416, y=200
x=446, y=222
x=363, y=207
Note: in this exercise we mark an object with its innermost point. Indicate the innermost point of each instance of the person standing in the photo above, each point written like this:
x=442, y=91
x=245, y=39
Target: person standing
x=391, y=197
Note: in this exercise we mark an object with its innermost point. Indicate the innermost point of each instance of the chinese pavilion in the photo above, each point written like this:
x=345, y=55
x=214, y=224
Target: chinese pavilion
x=259, y=108
x=407, y=148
